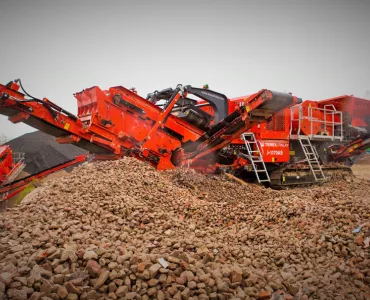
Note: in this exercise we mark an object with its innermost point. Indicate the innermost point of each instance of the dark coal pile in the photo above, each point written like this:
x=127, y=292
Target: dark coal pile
x=42, y=151
x=122, y=230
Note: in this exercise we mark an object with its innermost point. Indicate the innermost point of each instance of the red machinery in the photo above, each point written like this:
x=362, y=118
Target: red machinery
x=10, y=189
x=118, y=122
x=265, y=133
x=11, y=164
x=309, y=137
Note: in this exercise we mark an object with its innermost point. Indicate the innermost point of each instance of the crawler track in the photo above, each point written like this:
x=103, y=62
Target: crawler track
x=291, y=176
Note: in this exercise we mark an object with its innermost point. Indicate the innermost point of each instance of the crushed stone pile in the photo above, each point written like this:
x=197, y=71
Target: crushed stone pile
x=122, y=230
x=42, y=151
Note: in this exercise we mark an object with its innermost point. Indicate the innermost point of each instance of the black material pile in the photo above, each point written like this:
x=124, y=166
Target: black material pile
x=42, y=151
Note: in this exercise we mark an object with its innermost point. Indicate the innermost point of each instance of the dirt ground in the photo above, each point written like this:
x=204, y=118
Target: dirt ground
x=362, y=167
x=362, y=170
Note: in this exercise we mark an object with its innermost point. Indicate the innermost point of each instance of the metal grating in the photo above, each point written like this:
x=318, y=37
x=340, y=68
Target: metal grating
x=277, y=123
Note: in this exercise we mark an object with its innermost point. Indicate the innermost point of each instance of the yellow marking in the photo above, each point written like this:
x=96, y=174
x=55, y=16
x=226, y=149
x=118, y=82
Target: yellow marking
x=283, y=178
x=247, y=108
x=66, y=126
x=292, y=152
x=273, y=159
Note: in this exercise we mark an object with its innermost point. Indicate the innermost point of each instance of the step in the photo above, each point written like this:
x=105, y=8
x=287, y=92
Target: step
x=310, y=153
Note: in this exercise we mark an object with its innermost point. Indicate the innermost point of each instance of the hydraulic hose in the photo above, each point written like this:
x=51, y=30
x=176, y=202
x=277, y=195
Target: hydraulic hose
x=51, y=107
x=33, y=99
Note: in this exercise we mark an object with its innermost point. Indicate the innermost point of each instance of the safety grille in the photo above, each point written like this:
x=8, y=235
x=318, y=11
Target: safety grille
x=277, y=123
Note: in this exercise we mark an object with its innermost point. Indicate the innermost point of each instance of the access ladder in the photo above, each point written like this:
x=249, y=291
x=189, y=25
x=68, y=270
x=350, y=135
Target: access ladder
x=312, y=158
x=255, y=157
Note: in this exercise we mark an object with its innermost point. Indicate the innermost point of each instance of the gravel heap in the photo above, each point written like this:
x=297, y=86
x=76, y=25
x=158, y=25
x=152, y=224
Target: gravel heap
x=122, y=230
x=42, y=151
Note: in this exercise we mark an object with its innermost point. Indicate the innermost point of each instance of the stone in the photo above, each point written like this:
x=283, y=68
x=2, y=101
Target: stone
x=15, y=285
x=161, y=295
x=222, y=287
x=72, y=289
x=173, y=259
x=90, y=255
x=45, y=287
x=151, y=291
x=72, y=297
x=22, y=280
x=112, y=265
x=264, y=295
x=62, y=292
x=141, y=267
x=112, y=287
x=121, y=291
x=19, y=295
x=153, y=282
x=102, y=279
x=6, y=278
x=192, y=285
x=359, y=240
x=24, y=270
x=68, y=254
x=204, y=277
x=93, y=295
x=185, y=293
x=93, y=268
x=163, y=262
x=236, y=275
x=130, y=295
x=36, y=296
x=153, y=270
x=36, y=274
x=58, y=279
x=113, y=275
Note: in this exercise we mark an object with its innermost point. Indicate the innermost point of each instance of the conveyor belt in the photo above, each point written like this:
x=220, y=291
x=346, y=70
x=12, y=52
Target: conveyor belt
x=54, y=131
x=268, y=104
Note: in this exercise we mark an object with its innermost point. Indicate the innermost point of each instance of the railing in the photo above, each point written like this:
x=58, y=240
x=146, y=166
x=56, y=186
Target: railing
x=292, y=119
x=18, y=157
x=330, y=115
x=331, y=125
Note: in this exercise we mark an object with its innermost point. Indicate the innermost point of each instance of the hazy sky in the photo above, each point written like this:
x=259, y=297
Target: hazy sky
x=315, y=49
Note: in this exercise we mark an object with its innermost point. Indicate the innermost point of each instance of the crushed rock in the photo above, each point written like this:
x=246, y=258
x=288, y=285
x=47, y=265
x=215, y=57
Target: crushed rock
x=122, y=230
